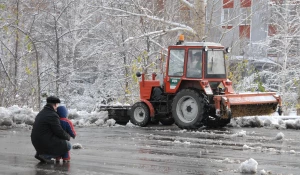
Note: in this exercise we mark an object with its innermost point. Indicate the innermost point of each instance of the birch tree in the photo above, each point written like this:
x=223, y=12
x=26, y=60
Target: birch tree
x=17, y=55
x=283, y=45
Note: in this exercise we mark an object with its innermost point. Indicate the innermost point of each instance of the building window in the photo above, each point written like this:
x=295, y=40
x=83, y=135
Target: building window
x=226, y=18
x=245, y=16
x=271, y=30
x=227, y=27
x=228, y=4
x=244, y=31
x=160, y=4
x=245, y=3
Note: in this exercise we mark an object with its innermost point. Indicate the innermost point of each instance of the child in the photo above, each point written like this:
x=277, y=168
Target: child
x=67, y=125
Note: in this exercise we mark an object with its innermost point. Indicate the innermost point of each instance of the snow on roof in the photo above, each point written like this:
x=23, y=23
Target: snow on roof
x=201, y=44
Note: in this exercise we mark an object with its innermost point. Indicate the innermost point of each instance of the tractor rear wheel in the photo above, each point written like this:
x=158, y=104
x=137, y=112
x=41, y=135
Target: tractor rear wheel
x=188, y=109
x=139, y=114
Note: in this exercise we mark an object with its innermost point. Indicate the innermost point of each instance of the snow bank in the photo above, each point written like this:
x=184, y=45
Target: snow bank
x=16, y=116
x=272, y=121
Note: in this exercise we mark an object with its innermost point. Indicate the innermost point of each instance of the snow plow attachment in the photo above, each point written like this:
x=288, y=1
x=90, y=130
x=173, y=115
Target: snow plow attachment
x=247, y=104
x=117, y=112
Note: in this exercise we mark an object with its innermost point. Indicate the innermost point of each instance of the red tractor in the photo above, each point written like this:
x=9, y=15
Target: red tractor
x=195, y=91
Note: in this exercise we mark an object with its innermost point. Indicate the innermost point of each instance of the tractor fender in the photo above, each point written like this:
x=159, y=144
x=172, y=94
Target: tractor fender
x=150, y=106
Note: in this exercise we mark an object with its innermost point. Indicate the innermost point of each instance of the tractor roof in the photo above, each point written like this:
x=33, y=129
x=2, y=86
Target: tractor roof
x=201, y=44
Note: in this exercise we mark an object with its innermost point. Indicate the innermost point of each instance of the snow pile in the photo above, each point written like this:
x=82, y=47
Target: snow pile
x=262, y=172
x=273, y=121
x=129, y=124
x=227, y=160
x=83, y=118
x=14, y=115
x=293, y=125
x=292, y=152
x=77, y=146
x=249, y=166
x=246, y=147
x=279, y=136
x=242, y=133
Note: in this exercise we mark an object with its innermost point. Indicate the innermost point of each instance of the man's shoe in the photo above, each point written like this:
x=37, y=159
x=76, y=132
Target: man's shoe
x=45, y=159
x=38, y=157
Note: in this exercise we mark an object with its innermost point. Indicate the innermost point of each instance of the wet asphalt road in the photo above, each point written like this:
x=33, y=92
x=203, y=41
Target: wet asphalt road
x=157, y=150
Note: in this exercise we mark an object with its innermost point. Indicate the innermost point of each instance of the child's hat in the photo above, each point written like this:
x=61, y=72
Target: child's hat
x=62, y=111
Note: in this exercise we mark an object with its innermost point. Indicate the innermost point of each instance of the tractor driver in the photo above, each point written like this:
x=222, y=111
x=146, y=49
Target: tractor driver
x=194, y=66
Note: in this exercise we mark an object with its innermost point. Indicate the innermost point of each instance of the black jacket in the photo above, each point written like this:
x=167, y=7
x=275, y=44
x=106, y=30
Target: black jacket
x=47, y=135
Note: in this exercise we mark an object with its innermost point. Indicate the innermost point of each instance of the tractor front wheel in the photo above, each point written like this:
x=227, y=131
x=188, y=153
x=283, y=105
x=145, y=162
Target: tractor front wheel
x=139, y=114
x=188, y=109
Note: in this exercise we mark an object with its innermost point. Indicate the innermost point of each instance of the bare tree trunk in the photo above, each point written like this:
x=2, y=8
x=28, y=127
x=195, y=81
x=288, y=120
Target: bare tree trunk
x=298, y=109
x=38, y=93
x=16, y=51
x=298, y=100
x=57, y=58
x=125, y=64
x=199, y=20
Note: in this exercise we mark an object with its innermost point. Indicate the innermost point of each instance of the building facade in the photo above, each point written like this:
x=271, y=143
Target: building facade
x=254, y=28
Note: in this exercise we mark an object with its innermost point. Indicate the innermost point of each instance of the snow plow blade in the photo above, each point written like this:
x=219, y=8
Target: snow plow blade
x=119, y=113
x=247, y=104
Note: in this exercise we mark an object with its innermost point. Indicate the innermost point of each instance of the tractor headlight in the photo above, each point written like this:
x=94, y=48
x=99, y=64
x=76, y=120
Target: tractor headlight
x=138, y=74
x=228, y=50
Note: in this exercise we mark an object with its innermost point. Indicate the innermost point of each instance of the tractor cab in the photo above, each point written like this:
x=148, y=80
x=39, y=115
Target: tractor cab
x=194, y=63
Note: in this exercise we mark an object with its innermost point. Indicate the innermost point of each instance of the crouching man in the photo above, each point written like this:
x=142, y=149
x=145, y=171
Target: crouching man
x=47, y=136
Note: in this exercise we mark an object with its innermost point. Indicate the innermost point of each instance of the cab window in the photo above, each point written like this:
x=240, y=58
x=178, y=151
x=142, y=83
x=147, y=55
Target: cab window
x=194, y=64
x=215, y=64
x=176, y=62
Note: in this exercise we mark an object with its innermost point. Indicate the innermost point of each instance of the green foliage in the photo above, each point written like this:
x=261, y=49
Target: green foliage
x=136, y=67
x=29, y=47
x=2, y=6
x=5, y=28
x=236, y=71
x=260, y=86
x=32, y=90
x=28, y=71
x=27, y=38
